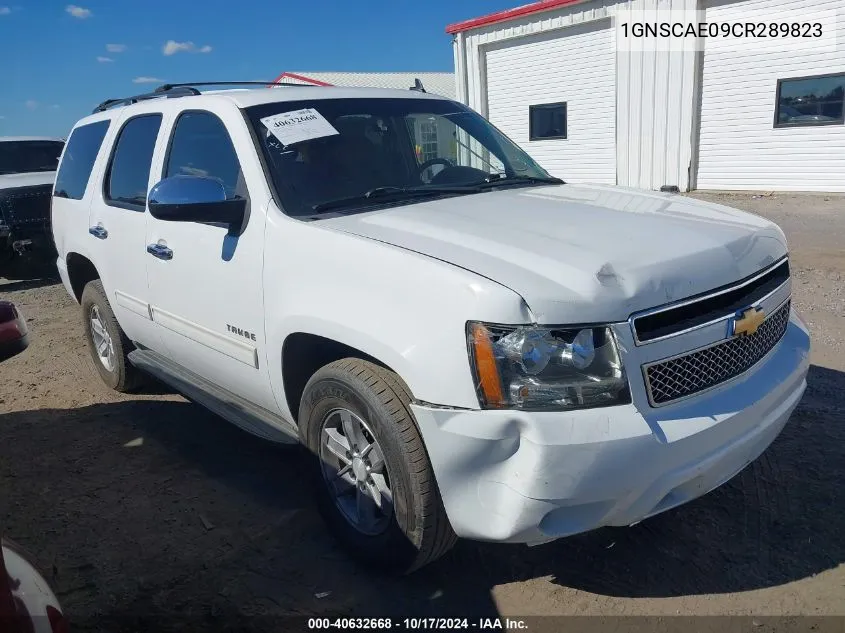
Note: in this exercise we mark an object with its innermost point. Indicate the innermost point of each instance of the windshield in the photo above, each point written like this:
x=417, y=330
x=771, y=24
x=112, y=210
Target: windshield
x=21, y=157
x=338, y=150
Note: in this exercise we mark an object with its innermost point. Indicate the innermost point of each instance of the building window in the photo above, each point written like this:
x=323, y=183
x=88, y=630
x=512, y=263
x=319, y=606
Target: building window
x=816, y=100
x=546, y=121
x=428, y=139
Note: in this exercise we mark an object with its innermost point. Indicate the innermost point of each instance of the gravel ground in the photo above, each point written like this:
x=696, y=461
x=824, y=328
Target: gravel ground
x=149, y=512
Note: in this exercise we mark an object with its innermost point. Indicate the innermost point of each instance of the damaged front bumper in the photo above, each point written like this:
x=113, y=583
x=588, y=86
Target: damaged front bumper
x=531, y=477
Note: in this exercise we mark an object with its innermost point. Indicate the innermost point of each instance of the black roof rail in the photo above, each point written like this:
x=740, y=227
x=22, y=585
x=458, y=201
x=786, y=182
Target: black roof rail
x=418, y=85
x=181, y=91
x=186, y=89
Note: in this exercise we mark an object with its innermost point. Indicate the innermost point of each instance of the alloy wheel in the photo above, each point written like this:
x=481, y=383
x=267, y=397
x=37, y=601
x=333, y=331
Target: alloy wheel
x=102, y=339
x=354, y=469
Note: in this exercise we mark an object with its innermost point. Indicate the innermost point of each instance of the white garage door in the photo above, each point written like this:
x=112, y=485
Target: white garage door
x=740, y=147
x=575, y=65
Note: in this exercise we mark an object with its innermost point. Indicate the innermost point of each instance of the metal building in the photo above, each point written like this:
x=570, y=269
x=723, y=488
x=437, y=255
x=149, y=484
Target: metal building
x=550, y=76
x=438, y=83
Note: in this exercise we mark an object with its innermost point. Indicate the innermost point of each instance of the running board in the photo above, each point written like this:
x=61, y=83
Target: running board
x=248, y=416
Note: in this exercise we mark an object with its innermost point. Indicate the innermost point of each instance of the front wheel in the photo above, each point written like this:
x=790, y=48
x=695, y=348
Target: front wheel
x=375, y=486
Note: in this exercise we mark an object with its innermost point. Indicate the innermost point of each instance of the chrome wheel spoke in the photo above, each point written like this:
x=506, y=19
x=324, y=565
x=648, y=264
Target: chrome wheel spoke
x=373, y=493
x=380, y=491
x=351, y=430
x=102, y=339
x=98, y=329
x=344, y=478
x=337, y=445
x=376, y=458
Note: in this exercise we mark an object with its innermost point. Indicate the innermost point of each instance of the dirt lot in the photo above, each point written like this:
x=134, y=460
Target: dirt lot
x=147, y=510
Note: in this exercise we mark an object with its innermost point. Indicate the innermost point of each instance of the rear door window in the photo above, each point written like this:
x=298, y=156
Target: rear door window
x=78, y=160
x=128, y=175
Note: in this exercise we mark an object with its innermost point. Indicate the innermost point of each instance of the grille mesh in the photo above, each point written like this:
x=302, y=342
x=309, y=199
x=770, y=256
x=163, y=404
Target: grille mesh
x=25, y=205
x=697, y=371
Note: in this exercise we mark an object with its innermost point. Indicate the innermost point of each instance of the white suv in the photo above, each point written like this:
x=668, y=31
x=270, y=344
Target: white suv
x=466, y=345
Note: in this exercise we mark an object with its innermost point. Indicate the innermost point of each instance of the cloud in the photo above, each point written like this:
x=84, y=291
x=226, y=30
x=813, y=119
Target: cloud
x=104, y=60
x=31, y=104
x=2, y=117
x=172, y=47
x=55, y=106
x=147, y=80
x=115, y=48
x=5, y=10
x=78, y=12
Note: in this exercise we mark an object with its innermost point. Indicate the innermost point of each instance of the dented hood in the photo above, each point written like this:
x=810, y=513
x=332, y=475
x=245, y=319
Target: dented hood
x=581, y=254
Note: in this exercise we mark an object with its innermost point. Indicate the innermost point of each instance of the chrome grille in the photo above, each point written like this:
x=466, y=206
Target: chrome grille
x=675, y=319
x=696, y=371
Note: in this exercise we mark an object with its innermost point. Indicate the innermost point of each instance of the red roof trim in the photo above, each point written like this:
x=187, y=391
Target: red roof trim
x=509, y=14
x=309, y=80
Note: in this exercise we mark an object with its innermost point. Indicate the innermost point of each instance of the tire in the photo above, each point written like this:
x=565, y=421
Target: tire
x=122, y=376
x=417, y=531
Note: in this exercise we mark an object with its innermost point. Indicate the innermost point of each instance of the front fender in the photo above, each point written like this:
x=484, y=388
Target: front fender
x=405, y=309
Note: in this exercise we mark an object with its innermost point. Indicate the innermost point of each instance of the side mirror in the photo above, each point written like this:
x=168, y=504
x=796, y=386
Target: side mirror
x=13, y=332
x=195, y=199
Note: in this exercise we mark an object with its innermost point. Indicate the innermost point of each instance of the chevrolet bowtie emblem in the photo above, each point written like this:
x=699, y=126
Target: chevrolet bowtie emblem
x=747, y=321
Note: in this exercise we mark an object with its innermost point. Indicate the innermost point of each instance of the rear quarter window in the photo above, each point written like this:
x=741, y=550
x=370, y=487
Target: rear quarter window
x=78, y=160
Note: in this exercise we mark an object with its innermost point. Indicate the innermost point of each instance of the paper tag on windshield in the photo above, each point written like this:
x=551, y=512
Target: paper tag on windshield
x=297, y=126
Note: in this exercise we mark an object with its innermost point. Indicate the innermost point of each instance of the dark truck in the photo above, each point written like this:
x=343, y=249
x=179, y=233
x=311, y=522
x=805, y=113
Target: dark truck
x=27, y=172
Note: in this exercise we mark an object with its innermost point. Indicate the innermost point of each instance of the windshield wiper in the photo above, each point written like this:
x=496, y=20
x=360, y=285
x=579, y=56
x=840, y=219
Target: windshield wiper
x=373, y=196
x=500, y=181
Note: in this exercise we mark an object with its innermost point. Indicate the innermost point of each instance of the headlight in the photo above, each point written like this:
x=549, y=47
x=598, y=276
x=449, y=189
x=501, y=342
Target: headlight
x=532, y=367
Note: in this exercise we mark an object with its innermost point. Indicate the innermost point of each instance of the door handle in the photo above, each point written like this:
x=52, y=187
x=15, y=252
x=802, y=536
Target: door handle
x=160, y=251
x=99, y=232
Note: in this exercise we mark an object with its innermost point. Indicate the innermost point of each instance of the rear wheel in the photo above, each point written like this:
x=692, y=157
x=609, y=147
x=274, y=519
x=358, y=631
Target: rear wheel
x=107, y=343
x=375, y=486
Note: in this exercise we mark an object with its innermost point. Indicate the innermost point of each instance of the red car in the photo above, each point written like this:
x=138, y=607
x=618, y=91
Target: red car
x=14, y=337
x=27, y=604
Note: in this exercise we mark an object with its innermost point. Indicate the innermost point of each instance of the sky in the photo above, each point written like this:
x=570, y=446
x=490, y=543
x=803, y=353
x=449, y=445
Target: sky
x=59, y=60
